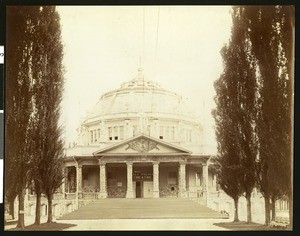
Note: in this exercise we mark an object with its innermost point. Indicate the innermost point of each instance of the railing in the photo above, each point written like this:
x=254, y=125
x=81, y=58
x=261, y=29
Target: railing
x=70, y=196
x=89, y=195
x=168, y=191
x=58, y=196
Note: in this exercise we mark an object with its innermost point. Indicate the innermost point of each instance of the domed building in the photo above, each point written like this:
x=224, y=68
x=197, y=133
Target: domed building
x=139, y=141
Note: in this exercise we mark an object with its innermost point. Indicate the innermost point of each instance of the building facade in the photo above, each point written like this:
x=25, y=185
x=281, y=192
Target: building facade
x=139, y=141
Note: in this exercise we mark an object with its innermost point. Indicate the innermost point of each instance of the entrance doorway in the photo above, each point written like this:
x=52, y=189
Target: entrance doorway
x=138, y=189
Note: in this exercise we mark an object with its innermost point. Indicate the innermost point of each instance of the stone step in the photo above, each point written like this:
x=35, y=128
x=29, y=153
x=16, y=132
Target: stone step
x=143, y=209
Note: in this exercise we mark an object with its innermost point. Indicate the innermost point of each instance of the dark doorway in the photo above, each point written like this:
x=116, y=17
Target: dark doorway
x=138, y=189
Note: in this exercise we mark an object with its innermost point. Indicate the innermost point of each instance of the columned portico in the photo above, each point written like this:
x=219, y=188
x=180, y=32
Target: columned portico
x=155, y=179
x=102, y=180
x=182, y=180
x=129, y=192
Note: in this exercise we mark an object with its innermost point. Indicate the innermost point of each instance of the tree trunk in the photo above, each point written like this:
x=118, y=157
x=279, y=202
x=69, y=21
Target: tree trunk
x=12, y=208
x=267, y=210
x=236, y=210
x=273, y=208
x=291, y=211
x=49, y=209
x=21, y=223
x=38, y=209
x=249, y=213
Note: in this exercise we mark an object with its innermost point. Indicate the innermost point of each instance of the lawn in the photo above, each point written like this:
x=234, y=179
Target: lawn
x=244, y=226
x=46, y=226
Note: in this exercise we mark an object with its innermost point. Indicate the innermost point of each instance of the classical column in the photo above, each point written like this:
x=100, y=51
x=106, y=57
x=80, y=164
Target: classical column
x=205, y=180
x=182, y=185
x=79, y=180
x=63, y=188
x=129, y=193
x=155, y=180
x=102, y=180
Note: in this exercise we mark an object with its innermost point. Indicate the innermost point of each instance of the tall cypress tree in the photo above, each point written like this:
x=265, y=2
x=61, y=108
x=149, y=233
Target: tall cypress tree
x=228, y=162
x=48, y=87
x=270, y=30
x=18, y=102
x=235, y=111
x=34, y=92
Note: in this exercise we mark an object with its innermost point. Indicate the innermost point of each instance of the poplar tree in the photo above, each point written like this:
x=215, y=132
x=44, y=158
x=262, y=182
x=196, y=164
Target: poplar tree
x=34, y=92
x=48, y=86
x=237, y=100
x=259, y=61
x=271, y=34
x=228, y=162
x=18, y=103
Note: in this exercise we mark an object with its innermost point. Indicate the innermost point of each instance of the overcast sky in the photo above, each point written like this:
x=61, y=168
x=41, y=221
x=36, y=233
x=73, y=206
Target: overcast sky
x=103, y=47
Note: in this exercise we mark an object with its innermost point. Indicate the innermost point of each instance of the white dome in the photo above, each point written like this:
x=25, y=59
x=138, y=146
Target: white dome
x=140, y=95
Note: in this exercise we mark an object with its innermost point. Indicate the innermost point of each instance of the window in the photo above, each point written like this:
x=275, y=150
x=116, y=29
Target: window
x=110, y=133
x=95, y=135
x=91, y=132
x=198, y=179
x=161, y=132
x=167, y=132
x=99, y=134
x=172, y=177
x=134, y=127
x=148, y=129
x=116, y=135
x=121, y=132
x=172, y=133
x=85, y=176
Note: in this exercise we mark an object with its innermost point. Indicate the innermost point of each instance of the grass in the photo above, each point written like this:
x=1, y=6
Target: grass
x=45, y=226
x=244, y=226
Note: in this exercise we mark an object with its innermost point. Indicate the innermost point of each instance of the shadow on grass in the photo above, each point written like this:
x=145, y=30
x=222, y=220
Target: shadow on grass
x=244, y=226
x=45, y=226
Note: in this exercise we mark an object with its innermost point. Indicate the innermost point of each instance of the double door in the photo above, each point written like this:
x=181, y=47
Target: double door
x=143, y=189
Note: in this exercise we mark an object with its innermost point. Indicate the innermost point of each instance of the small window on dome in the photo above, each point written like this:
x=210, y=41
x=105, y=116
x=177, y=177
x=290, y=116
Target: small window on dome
x=110, y=133
x=116, y=137
x=121, y=131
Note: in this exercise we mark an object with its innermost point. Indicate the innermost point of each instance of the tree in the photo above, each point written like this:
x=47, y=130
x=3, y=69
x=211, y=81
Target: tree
x=259, y=61
x=271, y=35
x=47, y=89
x=228, y=162
x=47, y=98
x=35, y=84
x=18, y=105
x=235, y=110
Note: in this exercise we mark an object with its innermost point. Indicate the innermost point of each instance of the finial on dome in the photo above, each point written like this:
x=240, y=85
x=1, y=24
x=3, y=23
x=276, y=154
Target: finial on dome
x=140, y=70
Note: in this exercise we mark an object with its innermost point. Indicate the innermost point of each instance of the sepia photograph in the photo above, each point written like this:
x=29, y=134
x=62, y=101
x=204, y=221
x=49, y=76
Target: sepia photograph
x=149, y=118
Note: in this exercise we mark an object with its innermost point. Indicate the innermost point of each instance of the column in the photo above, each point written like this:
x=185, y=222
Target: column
x=129, y=193
x=79, y=180
x=182, y=184
x=63, y=188
x=205, y=181
x=102, y=180
x=155, y=179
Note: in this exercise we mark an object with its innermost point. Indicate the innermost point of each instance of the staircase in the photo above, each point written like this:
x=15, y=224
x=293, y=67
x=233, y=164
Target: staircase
x=160, y=208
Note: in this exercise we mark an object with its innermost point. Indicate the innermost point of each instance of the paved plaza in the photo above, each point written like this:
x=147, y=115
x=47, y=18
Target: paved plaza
x=145, y=224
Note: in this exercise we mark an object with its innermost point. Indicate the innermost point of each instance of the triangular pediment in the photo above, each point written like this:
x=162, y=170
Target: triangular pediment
x=142, y=145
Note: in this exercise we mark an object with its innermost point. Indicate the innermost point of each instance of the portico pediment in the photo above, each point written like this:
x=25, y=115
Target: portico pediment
x=142, y=145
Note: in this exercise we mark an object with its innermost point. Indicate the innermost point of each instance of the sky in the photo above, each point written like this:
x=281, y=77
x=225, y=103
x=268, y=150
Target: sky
x=178, y=47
